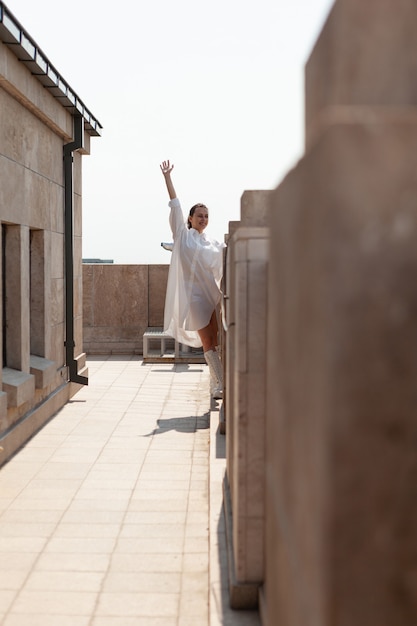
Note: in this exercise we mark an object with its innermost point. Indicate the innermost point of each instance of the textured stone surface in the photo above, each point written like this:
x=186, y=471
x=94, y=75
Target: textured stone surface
x=341, y=458
x=120, y=302
x=33, y=129
x=366, y=55
x=244, y=403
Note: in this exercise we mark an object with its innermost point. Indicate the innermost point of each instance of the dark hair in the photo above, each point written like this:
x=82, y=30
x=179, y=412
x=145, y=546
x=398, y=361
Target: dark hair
x=193, y=210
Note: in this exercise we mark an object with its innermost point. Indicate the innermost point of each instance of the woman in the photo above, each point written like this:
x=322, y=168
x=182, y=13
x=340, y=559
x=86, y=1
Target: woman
x=193, y=290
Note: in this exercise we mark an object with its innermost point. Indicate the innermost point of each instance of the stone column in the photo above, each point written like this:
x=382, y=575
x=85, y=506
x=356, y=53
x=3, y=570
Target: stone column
x=342, y=370
x=17, y=297
x=245, y=399
x=364, y=57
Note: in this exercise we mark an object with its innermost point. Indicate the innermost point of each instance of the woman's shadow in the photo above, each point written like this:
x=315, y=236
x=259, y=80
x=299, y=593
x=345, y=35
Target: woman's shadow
x=182, y=424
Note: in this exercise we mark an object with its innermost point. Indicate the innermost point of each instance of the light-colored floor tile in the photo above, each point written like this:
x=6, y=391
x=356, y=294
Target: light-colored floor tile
x=21, y=544
x=143, y=582
x=196, y=562
x=83, y=545
x=93, y=517
x=92, y=530
x=138, y=604
x=194, y=545
x=26, y=529
x=154, y=504
x=143, y=545
x=14, y=619
x=64, y=581
x=73, y=562
x=149, y=562
x=155, y=531
x=12, y=578
x=194, y=581
x=40, y=504
x=55, y=603
x=154, y=517
x=195, y=603
x=135, y=621
x=6, y=599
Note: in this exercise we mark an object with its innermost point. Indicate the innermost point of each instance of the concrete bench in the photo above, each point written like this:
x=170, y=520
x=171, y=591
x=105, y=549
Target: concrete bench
x=153, y=334
x=180, y=353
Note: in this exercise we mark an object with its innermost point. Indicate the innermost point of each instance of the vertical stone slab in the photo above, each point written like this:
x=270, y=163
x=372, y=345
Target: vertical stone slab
x=157, y=286
x=366, y=55
x=17, y=297
x=230, y=341
x=40, y=293
x=341, y=463
x=254, y=207
x=247, y=489
x=246, y=306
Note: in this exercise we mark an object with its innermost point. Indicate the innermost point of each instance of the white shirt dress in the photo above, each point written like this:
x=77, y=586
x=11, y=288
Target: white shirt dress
x=195, y=272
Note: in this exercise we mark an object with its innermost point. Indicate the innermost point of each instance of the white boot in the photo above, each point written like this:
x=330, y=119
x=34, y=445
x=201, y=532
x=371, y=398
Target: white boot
x=216, y=374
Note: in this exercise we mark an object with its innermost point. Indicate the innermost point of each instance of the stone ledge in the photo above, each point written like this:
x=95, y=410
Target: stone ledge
x=43, y=370
x=20, y=387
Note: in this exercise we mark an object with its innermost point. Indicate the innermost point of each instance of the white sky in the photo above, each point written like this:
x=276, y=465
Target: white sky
x=216, y=87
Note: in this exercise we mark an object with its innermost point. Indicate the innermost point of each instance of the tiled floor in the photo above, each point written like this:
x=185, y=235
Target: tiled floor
x=111, y=515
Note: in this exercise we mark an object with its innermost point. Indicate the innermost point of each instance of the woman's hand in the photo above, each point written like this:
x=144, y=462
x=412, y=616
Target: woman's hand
x=166, y=168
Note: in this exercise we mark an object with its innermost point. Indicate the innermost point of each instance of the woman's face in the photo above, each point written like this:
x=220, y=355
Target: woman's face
x=199, y=219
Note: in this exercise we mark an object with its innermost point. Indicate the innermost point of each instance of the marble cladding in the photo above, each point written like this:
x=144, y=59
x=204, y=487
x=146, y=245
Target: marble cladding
x=244, y=402
x=33, y=129
x=365, y=58
x=119, y=303
x=340, y=458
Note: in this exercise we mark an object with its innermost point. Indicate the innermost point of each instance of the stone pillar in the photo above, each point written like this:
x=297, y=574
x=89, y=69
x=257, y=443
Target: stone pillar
x=245, y=399
x=17, y=297
x=364, y=57
x=342, y=370
x=40, y=293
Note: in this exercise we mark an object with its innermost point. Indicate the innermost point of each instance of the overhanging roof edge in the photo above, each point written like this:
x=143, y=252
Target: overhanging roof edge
x=16, y=38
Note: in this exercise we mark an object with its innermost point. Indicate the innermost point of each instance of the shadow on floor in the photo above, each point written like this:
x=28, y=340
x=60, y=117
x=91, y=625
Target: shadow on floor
x=181, y=424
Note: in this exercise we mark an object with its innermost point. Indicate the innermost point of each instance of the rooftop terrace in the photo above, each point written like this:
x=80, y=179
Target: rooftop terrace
x=112, y=514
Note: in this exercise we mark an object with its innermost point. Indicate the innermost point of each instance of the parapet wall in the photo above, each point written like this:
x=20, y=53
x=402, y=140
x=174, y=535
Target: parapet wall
x=119, y=303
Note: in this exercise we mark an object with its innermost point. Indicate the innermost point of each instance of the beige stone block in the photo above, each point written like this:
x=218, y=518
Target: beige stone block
x=120, y=295
x=43, y=370
x=245, y=409
x=88, y=298
x=3, y=409
x=18, y=81
x=77, y=213
x=56, y=204
x=233, y=226
x=57, y=343
x=11, y=196
x=17, y=305
x=57, y=255
x=20, y=387
x=157, y=281
x=255, y=208
x=364, y=56
x=57, y=313
x=341, y=460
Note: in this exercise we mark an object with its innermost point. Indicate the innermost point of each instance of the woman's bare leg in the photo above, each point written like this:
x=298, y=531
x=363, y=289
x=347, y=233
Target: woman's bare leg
x=208, y=334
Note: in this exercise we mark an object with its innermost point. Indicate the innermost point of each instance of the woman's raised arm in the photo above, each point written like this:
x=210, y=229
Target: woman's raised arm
x=166, y=169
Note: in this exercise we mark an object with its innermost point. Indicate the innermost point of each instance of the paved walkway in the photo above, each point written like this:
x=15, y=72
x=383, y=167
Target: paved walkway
x=111, y=515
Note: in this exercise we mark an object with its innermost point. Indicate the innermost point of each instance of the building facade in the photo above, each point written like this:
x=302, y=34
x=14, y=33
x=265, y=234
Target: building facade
x=45, y=129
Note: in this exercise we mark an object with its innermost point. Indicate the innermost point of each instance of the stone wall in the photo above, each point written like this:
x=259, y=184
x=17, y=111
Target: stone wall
x=34, y=127
x=245, y=397
x=341, y=460
x=120, y=302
